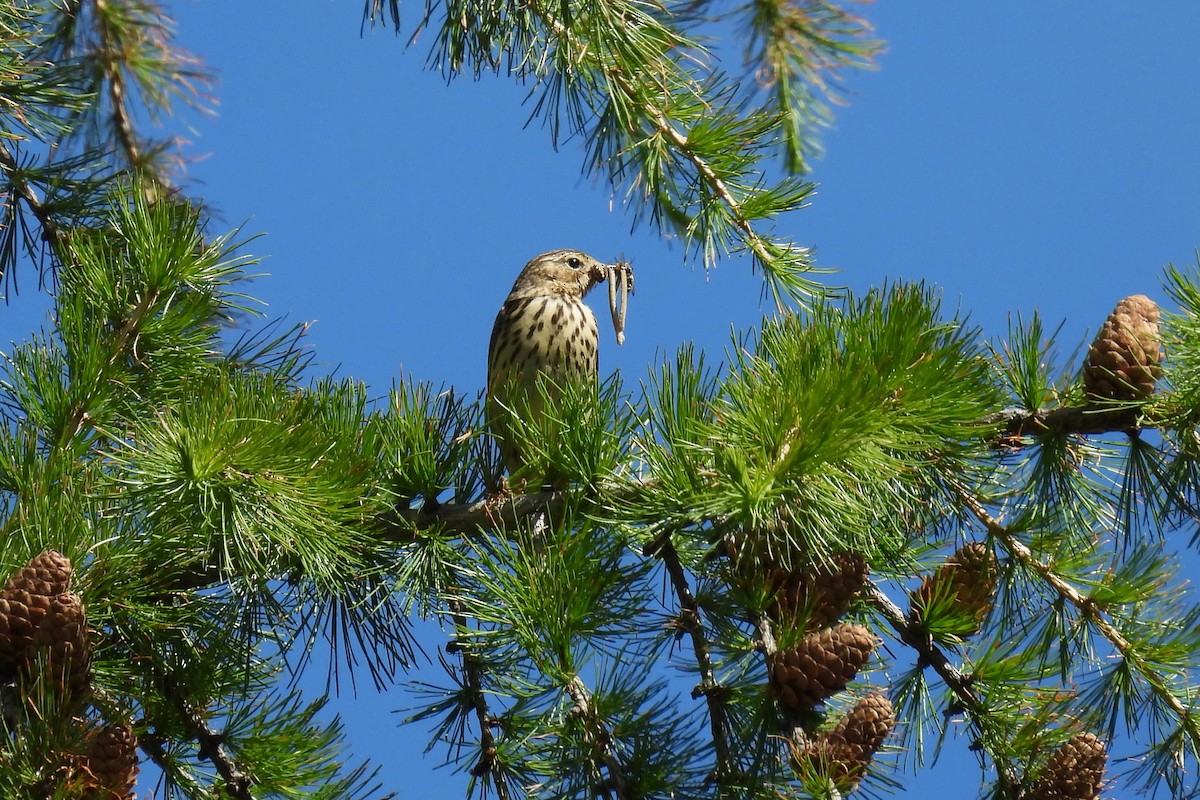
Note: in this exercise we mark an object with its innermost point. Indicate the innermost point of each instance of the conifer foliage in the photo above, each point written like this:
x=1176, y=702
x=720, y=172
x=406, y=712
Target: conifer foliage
x=872, y=535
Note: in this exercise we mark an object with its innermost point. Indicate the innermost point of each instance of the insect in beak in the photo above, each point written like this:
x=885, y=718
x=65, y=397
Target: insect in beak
x=620, y=286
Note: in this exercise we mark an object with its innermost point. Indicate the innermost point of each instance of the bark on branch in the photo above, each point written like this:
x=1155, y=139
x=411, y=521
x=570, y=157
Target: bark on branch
x=932, y=656
x=690, y=622
x=1018, y=423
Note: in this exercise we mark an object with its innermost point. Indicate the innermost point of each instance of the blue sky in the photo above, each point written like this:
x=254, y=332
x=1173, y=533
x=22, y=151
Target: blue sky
x=1019, y=155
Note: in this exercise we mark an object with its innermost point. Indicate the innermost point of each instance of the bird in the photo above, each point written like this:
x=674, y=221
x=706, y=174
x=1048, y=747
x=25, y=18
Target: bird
x=543, y=328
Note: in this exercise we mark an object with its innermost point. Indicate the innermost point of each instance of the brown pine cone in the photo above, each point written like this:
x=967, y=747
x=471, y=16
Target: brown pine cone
x=48, y=573
x=843, y=754
x=821, y=664
x=20, y=615
x=1125, y=359
x=1075, y=771
x=968, y=579
x=63, y=642
x=24, y=600
x=112, y=763
x=817, y=596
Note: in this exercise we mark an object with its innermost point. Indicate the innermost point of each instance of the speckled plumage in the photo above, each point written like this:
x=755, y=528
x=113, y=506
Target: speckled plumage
x=544, y=327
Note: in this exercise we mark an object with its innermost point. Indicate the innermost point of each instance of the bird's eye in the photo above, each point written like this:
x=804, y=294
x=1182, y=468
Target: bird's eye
x=574, y=263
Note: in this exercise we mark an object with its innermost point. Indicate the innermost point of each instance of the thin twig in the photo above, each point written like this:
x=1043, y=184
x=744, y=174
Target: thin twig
x=679, y=140
x=121, y=118
x=930, y=654
x=718, y=186
x=152, y=745
x=51, y=231
x=469, y=518
x=212, y=748
x=125, y=343
x=112, y=60
x=472, y=670
x=766, y=636
x=1088, y=609
x=714, y=694
x=600, y=738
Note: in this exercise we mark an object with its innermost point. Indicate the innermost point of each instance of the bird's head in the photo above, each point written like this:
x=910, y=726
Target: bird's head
x=559, y=272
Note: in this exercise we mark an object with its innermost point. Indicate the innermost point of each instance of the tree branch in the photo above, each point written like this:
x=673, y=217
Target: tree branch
x=600, y=738
x=923, y=643
x=663, y=126
x=51, y=231
x=1081, y=420
x=489, y=513
x=112, y=57
x=122, y=120
x=152, y=745
x=212, y=748
x=472, y=671
x=1088, y=609
x=469, y=518
x=716, y=185
x=690, y=622
x=931, y=655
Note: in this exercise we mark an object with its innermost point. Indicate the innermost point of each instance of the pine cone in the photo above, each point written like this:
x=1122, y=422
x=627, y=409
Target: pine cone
x=48, y=573
x=821, y=664
x=968, y=578
x=843, y=754
x=20, y=615
x=24, y=601
x=820, y=594
x=1125, y=359
x=1075, y=771
x=112, y=763
x=64, y=640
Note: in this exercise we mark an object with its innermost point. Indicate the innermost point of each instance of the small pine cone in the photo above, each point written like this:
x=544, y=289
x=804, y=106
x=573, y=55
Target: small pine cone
x=969, y=578
x=843, y=754
x=1125, y=359
x=112, y=763
x=63, y=638
x=20, y=615
x=1075, y=771
x=820, y=594
x=48, y=573
x=861, y=732
x=821, y=664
